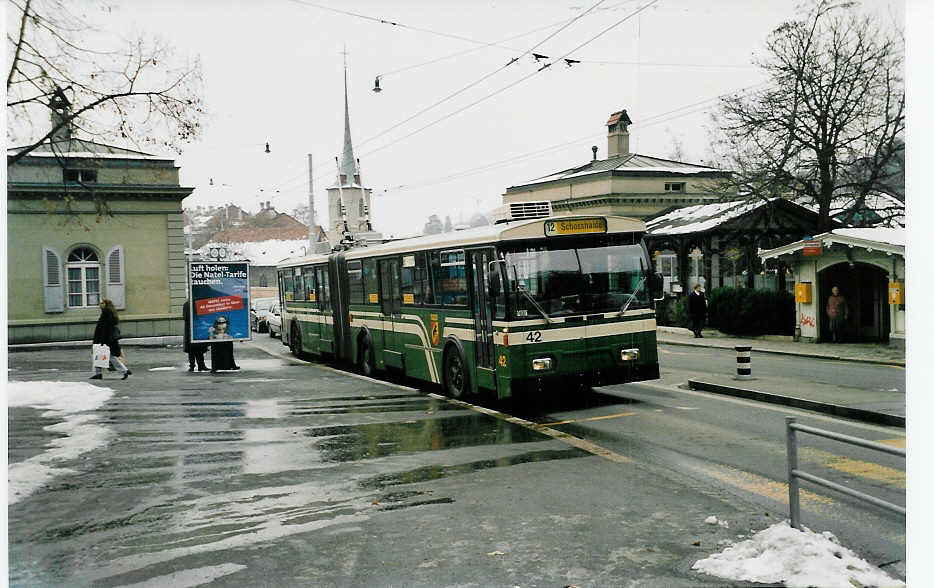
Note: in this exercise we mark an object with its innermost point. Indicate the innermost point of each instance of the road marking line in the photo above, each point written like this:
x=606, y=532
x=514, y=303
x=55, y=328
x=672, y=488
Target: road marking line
x=761, y=486
x=687, y=408
x=596, y=418
x=543, y=429
x=855, y=467
x=767, y=406
x=897, y=442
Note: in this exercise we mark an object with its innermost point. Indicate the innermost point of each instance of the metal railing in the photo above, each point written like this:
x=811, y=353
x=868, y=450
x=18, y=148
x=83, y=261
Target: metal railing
x=794, y=474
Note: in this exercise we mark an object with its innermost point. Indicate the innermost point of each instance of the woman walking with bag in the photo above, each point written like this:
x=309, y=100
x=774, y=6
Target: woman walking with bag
x=108, y=333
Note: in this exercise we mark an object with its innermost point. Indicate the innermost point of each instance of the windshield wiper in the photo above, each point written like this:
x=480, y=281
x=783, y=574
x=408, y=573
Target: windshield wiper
x=633, y=295
x=540, y=310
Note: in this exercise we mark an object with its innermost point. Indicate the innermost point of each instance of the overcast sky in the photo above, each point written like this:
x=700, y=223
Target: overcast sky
x=274, y=72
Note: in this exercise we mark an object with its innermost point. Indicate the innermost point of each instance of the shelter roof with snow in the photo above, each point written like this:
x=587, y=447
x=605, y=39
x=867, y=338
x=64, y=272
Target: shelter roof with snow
x=890, y=241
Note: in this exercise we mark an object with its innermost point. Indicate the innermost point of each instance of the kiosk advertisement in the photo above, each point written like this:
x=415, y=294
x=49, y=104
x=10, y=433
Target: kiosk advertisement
x=220, y=301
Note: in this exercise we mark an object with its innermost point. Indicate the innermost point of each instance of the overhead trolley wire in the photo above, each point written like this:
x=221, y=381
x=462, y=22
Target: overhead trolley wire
x=483, y=78
x=515, y=83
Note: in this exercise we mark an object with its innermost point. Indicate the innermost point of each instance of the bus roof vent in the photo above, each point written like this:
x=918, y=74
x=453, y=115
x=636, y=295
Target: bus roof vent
x=522, y=211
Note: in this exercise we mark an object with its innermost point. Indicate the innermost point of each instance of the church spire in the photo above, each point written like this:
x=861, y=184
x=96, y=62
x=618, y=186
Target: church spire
x=348, y=161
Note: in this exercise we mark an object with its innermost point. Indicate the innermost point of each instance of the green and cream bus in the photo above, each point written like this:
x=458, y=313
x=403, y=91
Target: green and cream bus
x=516, y=306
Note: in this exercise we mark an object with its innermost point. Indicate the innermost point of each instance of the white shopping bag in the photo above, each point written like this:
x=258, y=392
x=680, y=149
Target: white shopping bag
x=100, y=355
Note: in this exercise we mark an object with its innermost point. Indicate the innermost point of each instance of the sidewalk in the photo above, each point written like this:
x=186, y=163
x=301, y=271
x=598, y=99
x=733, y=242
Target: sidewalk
x=880, y=353
x=874, y=406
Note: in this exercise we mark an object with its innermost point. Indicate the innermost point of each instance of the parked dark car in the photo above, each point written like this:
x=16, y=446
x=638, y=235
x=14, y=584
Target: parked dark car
x=258, y=309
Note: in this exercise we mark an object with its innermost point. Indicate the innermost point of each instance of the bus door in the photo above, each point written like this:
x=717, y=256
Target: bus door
x=479, y=262
x=390, y=300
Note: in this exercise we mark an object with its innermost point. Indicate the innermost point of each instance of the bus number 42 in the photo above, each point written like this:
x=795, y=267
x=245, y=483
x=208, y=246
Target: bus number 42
x=534, y=337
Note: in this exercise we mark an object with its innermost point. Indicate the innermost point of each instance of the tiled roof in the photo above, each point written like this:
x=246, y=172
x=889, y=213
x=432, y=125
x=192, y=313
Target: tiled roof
x=255, y=235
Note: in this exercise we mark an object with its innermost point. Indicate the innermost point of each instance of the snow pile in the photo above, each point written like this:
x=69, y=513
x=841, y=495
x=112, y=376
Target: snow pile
x=713, y=520
x=62, y=400
x=799, y=559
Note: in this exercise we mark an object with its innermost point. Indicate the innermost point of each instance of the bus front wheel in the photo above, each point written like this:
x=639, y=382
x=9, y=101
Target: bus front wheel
x=456, y=383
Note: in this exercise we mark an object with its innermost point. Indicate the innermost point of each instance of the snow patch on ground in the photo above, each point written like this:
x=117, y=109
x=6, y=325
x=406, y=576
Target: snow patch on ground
x=190, y=578
x=799, y=559
x=713, y=520
x=163, y=369
x=61, y=400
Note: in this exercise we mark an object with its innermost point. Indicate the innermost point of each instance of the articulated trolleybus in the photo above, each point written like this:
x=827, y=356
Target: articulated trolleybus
x=522, y=305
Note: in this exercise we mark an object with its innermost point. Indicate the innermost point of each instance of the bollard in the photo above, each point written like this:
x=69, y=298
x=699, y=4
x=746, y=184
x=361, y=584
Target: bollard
x=743, y=362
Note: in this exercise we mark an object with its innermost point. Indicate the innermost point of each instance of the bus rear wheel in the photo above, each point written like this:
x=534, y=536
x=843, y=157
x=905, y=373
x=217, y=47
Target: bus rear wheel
x=365, y=357
x=456, y=384
x=295, y=341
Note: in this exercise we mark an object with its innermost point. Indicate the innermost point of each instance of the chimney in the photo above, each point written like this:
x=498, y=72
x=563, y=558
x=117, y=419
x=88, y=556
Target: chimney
x=618, y=134
x=60, y=110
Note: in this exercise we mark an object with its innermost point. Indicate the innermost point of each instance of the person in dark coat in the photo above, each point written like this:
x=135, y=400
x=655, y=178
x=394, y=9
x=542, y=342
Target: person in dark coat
x=108, y=333
x=697, y=309
x=222, y=353
x=195, y=351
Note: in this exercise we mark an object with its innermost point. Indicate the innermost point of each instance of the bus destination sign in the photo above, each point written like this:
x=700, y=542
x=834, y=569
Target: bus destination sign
x=575, y=226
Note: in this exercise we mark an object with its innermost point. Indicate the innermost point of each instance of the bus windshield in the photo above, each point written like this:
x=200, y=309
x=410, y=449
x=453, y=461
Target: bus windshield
x=581, y=280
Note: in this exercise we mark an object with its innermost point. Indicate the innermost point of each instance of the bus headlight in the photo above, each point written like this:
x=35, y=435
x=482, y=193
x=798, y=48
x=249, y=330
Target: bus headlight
x=628, y=354
x=540, y=364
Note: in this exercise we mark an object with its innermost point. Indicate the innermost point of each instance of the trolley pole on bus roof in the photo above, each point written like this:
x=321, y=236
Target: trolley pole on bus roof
x=346, y=236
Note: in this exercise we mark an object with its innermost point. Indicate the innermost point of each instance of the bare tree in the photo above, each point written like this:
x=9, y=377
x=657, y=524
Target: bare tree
x=138, y=93
x=830, y=122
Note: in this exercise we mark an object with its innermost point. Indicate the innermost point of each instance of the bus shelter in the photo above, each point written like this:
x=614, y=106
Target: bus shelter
x=868, y=267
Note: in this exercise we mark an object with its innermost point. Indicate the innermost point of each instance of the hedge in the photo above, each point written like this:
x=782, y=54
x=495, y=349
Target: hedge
x=745, y=311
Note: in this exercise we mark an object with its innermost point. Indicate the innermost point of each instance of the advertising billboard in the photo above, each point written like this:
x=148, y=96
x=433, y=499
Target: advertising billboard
x=220, y=301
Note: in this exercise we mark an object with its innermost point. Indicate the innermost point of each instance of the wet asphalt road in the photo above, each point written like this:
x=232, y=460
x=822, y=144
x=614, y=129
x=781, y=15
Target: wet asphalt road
x=290, y=474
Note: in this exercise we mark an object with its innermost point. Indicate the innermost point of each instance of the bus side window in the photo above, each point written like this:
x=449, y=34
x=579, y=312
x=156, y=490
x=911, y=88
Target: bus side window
x=324, y=294
x=453, y=278
x=309, y=275
x=370, y=281
x=299, y=285
x=288, y=285
x=355, y=282
x=422, y=283
x=410, y=295
x=435, y=271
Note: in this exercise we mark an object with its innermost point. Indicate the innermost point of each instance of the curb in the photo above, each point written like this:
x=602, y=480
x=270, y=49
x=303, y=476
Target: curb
x=895, y=362
x=858, y=414
x=130, y=342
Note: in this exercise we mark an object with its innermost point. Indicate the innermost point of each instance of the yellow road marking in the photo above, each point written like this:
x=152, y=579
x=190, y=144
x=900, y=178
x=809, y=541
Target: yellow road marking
x=855, y=467
x=543, y=429
x=596, y=418
x=897, y=442
x=761, y=485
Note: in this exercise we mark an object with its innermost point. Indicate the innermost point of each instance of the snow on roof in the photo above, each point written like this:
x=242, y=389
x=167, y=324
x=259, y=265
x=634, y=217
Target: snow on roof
x=889, y=235
x=75, y=148
x=265, y=253
x=795, y=558
x=886, y=239
x=632, y=162
x=700, y=217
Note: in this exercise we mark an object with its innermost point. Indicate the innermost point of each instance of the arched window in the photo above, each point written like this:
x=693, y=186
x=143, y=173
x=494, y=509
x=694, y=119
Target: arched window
x=83, y=269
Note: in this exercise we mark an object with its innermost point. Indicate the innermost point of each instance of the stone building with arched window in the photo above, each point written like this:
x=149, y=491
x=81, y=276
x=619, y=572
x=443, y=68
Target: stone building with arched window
x=65, y=254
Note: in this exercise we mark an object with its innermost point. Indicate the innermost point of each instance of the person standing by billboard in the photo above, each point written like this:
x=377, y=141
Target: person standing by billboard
x=195, y=351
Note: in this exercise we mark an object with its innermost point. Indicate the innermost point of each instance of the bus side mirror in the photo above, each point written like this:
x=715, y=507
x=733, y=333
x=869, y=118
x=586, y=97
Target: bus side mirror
x=496, y=286
x=657, y=286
